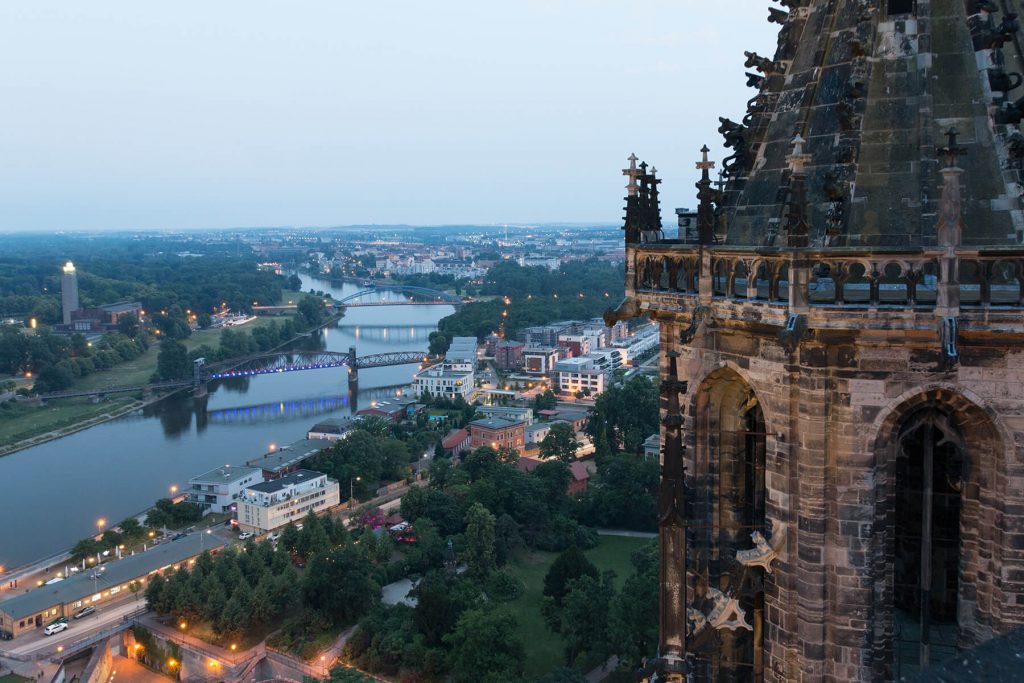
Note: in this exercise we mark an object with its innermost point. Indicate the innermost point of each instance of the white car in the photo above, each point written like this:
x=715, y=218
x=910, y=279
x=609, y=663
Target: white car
x=244, y=535
x=55, y=628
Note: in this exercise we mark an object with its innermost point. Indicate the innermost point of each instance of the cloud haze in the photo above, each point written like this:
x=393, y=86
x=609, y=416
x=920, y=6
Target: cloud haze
x=208, y=114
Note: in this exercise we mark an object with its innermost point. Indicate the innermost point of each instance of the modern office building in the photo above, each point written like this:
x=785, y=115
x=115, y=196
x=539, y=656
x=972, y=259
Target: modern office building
x=218, y=489
x=272, y=504
x=539, y=360
x=572, y=375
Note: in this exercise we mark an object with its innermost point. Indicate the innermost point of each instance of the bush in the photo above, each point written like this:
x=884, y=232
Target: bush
x=503, y=587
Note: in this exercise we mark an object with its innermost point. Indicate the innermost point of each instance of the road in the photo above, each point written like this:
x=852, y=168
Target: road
x=78, y=629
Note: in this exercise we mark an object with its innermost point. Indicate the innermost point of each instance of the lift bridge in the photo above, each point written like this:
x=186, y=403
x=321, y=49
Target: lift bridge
x=262, y=364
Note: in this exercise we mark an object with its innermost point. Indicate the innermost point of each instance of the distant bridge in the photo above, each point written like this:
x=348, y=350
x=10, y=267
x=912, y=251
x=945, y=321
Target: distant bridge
x=261, y=364
x=430, y=297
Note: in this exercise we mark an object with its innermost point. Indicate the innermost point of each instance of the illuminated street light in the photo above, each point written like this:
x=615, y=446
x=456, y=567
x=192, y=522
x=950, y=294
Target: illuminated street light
x=100, y=523
x=174, y=489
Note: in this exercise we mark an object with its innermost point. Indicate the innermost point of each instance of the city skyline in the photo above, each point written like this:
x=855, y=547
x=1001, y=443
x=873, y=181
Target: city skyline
x=131, y=119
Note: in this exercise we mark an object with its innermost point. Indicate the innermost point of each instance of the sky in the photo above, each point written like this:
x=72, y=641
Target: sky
x=123, y=115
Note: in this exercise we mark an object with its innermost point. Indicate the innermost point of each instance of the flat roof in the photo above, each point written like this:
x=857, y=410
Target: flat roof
x=495, y=423
x=292, y=454
x=224, y=475
x=296, y=477
x=114, y=573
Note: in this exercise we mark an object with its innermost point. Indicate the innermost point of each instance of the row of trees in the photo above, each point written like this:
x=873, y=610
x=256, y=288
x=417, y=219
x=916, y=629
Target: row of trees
x=58, y=361
x=242, y=592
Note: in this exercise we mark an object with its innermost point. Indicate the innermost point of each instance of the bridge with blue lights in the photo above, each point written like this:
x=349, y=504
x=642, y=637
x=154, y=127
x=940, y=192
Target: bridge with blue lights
x=261, y=364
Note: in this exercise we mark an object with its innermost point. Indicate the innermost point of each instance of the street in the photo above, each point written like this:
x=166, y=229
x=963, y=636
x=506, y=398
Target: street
x=78, y=629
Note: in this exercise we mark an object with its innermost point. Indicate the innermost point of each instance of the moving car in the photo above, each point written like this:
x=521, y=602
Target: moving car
x=55, y=627
x=84, y=612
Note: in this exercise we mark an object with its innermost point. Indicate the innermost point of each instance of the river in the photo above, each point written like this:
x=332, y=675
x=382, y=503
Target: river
x=51, y=495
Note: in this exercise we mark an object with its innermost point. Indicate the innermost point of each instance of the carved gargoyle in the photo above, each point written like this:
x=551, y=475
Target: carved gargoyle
x=727, y=612
x=628, y=309
x=754, y=80
x=762, y=64
x=777, y=16
x=761, y=555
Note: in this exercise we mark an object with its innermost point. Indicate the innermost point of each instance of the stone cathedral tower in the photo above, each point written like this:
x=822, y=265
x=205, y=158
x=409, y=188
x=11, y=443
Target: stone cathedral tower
x=842, y=358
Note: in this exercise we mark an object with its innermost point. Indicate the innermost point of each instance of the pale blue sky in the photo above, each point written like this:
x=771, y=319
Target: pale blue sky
x=246, y=113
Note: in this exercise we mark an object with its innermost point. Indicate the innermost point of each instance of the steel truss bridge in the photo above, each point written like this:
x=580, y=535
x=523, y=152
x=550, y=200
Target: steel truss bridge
x=428, y=297
x=260, y=364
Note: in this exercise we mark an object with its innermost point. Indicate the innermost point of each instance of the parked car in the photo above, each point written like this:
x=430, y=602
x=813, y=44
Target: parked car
x=84, y=612
x=55, y=627
x=244, y=535
x=272, y=537
x=175, y=537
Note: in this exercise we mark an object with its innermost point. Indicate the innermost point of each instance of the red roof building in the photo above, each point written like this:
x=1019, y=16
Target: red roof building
x=456, y=442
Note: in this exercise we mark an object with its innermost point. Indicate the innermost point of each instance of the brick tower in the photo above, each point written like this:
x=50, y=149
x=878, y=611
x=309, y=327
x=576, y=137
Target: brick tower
x=842, y=361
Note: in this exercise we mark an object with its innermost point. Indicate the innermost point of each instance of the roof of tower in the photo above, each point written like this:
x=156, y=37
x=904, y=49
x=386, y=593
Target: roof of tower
x=872, y=93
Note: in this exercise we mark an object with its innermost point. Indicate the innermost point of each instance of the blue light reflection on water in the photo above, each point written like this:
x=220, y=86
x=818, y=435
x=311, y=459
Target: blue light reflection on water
x=51, y=495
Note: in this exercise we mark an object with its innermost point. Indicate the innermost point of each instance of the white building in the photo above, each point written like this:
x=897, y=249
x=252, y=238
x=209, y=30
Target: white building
x=217, y=490
x=462, y=349
x=450, y=380
x=573, y=375
x=641, y=341
x=539, y=360
x=272, y=504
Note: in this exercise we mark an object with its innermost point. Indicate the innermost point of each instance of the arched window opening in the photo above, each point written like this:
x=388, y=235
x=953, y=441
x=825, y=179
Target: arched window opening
x=733, y=437
x=930, y=471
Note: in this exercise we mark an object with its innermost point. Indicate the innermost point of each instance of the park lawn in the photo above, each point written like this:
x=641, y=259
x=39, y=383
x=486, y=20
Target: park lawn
x=139, y=370
x=14, y=678
x=544, y=649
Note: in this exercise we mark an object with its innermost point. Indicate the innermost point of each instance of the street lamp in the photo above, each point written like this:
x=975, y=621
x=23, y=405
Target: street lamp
x=323, y=663
x=201, y=537
x=174, y=489
x=351, y=488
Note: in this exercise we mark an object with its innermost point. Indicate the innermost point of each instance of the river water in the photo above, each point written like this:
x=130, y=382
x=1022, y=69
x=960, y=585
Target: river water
x=51, y=495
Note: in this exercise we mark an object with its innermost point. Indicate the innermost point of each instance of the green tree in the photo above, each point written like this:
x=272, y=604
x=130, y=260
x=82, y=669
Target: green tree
x=312, y=310
x=437, y=606
x=560, y=442
x=584, y=616
x=623, y=417
x=545, y=401
x=172, y=362
x=633, y=613
x=128, y=325
x=571, y=564
x=339, y=584
x=294, y=283
x=484, y=647
x=479, y=539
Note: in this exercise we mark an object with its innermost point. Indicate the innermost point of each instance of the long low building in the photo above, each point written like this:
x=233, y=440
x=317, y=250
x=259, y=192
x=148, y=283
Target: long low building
x=95, y=587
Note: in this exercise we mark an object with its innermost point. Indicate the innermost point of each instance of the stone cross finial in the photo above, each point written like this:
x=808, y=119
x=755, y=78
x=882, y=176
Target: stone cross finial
x=633, y=173
x=797, y=160
x=704, y=164
x=952, y=151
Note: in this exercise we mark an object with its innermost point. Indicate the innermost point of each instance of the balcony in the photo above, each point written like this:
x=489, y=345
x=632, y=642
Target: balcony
x=981, y=287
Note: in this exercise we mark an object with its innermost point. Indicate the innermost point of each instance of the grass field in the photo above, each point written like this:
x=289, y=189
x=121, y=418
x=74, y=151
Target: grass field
x=14, y=678
x=24, y=422
x=544, y=649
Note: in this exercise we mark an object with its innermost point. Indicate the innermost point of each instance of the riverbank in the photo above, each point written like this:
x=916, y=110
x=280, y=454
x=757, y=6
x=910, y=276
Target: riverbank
x=31, y=425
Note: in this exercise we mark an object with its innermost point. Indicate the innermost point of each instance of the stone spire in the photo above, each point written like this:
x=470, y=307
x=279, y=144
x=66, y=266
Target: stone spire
x=671, y=665
x=851, y=81
x=796, y=219
x=950, y=224
x=705, y=195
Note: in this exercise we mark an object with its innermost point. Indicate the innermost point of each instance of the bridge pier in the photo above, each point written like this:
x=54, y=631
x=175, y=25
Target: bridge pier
x=353, y=371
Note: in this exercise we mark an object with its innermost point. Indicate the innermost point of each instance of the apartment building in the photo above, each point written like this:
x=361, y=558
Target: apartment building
x=218, y=489
x=272, y=504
